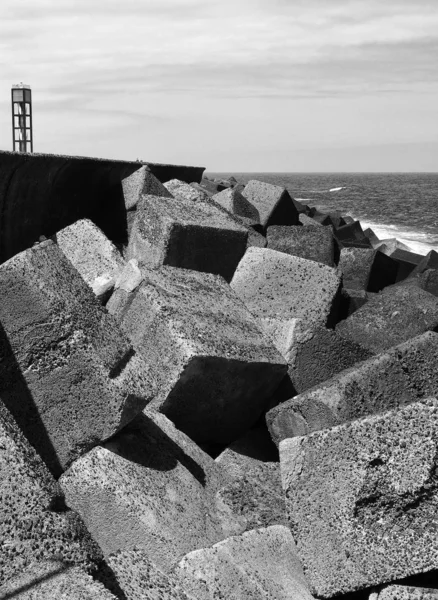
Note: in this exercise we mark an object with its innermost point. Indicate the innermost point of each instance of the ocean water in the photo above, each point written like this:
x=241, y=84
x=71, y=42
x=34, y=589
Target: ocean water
x=394, y=205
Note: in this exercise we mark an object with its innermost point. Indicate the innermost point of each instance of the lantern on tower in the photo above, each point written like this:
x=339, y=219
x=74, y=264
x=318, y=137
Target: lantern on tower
x=22, y=134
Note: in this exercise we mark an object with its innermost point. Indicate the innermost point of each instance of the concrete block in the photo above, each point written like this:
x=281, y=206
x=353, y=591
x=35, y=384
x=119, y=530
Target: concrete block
x=142, y=181
x=407, y=261
x=235, y=203
x=150, y=487
x=273, y=203
x=367, y=269
x=34, y=522
x=362, y=499
x=397, y=314
x=390, y=245
x=369, y=233
x=404, y=592
x=53, y=580
x=214, y=370
x=279, y=286
x=140, y=579
x=69, y=375
x=91, y=253
x=351, y=300
x=351, y=231
x=430, y=261
x=182, y=233
x=311, y=243
x=307, y=221
x=399, y=376
x=184, y=191
x=258, y=564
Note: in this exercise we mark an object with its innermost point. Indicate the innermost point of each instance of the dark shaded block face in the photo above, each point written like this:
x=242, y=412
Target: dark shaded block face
x=362, y=498
x=273, y=203
x=351, y=231
x=315, y=243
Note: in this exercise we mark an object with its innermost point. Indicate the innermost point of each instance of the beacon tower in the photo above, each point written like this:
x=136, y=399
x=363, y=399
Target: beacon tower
x=22, y=133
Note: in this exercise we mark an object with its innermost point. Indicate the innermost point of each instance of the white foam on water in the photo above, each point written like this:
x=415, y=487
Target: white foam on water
x=338, y=189
x=415, y=240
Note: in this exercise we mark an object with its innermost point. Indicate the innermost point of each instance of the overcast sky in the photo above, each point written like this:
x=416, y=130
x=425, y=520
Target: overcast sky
x=235, y=85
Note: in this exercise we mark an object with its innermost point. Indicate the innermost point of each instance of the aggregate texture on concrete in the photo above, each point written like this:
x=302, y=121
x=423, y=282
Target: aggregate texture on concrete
x=397, y=314
x=362, y=499
x=255, y=490
x=404, y=592
x=313, y=355
x=214, y=369
x=183, y=191
x=399, y=376
x=313, y=244
x=430, y=261
x=274, y=285
x=367, y=269
x=91, y=253
x=43, y=193
x=307, y=221
x=150, y=487
x=273, y=203
x=182, y=233
x=70, y=377
x=142, y=181
x=235, y=203
x=427, y=281
x=140, y=579
x=261, y=564
x=34, y=522
x=53, y=580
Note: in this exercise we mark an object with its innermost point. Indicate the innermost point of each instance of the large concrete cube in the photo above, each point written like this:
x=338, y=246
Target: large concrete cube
x=362, y=499
x=273, y=203
x=316, y=243
x=184, y=191
x=397, y=314
x=34, y=522
x=261, y=563
x=91, y=253
x=233, y=201
x=151, y=488
x=367, y=269
x=215, y=371
x=70, y=377
x=182, y=233
x=399, y=376
x=142, y=181
x=279, y=286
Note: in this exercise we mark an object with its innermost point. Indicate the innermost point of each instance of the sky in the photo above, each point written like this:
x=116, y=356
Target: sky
x=235, y=85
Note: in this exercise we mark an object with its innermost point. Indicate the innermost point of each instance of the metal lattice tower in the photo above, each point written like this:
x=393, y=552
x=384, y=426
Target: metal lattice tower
x=22, y=133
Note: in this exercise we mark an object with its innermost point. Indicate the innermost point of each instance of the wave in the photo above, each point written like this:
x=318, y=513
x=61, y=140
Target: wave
x=338, y=189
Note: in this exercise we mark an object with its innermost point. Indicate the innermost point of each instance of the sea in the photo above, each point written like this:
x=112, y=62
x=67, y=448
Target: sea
x=395, y=205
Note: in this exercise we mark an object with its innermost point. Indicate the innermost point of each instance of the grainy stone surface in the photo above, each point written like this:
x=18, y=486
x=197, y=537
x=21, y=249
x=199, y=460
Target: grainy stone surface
x=34, y=522
x=182, y=233
x=307, y=221
x=314, y=244
x=184, y=191
x=276, y=285
x=273, y=203
x=399, y=376
x=395, y=315
x=236, y=204
x=70, y=376
x=140, y=579
x=53, y=580
x=90, y=252
x=404, y=592
x=142, y=181
x=430, y=261
x=362, y=499
x=150, y=487
x=367, y=269
x=214, y=369
x=261, y=564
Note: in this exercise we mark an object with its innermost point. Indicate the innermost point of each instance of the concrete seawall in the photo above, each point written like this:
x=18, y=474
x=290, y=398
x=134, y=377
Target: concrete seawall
x=42, y=193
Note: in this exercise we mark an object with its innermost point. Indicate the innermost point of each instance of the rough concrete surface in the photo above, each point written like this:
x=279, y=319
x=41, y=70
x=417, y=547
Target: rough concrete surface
x=214, y=369
x=261, y=564
x=142, y=181
x=276, y=285
x=273, y=203
x=53, y=580
x=367, y=269
x=402, y=375
x=184, y=191
x=362, y=499
x=90, y=252
x=70, y=377
x=182, y=233
x=314, y=244
x=404, y=592
x=236, y=204
x=34, y=522
x=395, y=315
x=151, y=488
